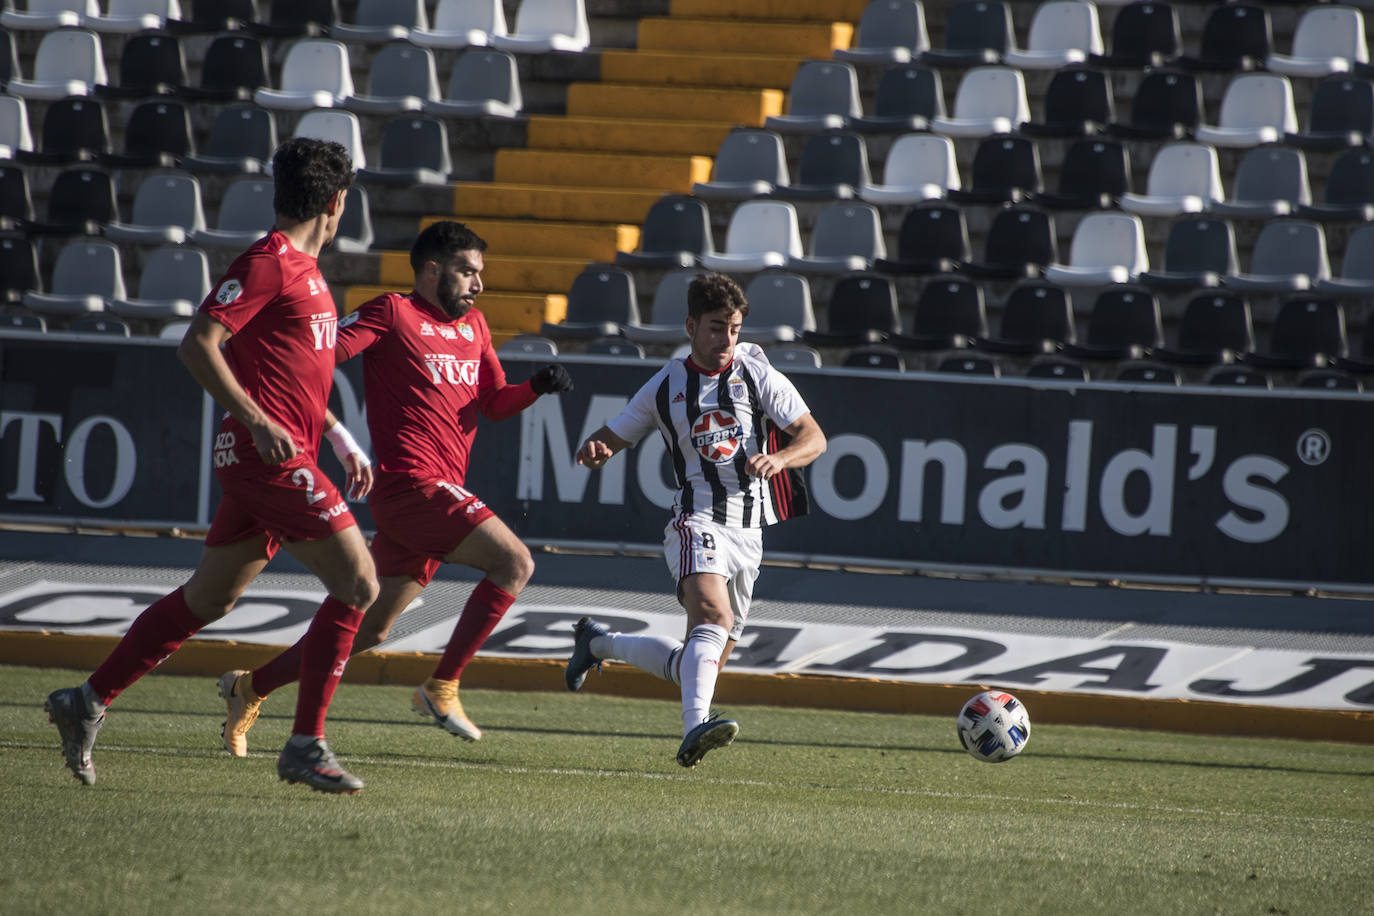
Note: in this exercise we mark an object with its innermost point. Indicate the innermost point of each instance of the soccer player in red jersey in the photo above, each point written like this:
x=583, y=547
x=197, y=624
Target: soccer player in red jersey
x=429, y=370
x=262, y=345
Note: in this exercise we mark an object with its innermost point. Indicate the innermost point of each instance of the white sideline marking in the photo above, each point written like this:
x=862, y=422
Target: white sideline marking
x=719, y=781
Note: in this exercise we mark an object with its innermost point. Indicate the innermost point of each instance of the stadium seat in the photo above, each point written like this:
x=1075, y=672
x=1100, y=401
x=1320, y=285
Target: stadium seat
x=381, y=21
x=1144, y=34
x=668, y=311
x=1326, y=40
x=46, y=15
x=1270, y=181
x=208, y=18
x=889, y=31
x=1184, y=178
x=1037, y=317
x=977, y=32
x=235, y=66
x=875, y=356
x=22, y=321
x=15, y=135
x=68, y=62
x=616, y=347
x=1237, y=377
x=1288, y=256
x=75, y=129
x=847, y=236
x=969, y=364
x=1167, y=105
x=1308, y=331
x=780, y=307
x=98, y=324
x=676, y=232
x=1198, y=252
x=81, y=200
x=907, y=97
x=355, y=233
x=341, y=127
x=174, y=281
x=242, y=139
x=1328, y=380
x=315, y=74
x=1106, y=248
x=16, y=199
x=1137, y=372
x=918, y=167
x=87, y=275
x=157, y=133
x=1235, y=36
x=245, y=215
x=1349, y=189
x=1356, y=278
x=1340, y=115
x=292, y=19
x=1005, y=170
x=413, y=151
x=18, y=267
x=933, y=238
x=792, y=356
x=950, y=313
x=167, y=207
x=152, y=63
x=1216, y=327
x=401, y=78
x=761, y=233
x=10, y=63
x=546, y=25
x=1124, y=323
x=749, y=163
x=824, y=96
x=1257, y=108
x=862, y=309
x=1093, y=175
x=1020, y=242
x=601, y=302
x=1078, y=102
x=462, y=24
x=483, y=83
x=833, y=166
x=125, y=17
x=1057, y=368
x=528, y=345
x=1062, y=32
x=989, y=100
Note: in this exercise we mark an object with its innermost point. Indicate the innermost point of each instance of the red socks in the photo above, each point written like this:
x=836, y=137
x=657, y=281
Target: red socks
x=486, y=606
x=155, y=634
x=280, y=671
x=324, y=652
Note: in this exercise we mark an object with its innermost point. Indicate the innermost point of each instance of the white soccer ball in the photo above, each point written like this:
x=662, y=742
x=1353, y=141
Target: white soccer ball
x=993, y=726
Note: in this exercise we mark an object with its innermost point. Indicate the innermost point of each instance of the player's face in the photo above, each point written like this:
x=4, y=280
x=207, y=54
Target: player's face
x=460, y=280
x=714, y=338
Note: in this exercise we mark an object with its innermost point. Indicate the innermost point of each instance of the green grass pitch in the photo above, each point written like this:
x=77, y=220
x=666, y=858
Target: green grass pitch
x=573, y=804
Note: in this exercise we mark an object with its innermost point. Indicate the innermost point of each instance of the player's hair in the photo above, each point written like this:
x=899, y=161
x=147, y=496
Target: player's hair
x=306, y=173
x=712, y=292
x=441, y=240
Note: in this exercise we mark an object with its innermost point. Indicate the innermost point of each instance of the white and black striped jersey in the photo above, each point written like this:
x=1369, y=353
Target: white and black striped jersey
x=712, y=423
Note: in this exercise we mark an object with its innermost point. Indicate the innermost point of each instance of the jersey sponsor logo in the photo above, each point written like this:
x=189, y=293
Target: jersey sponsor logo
x=466, y=330
x=224, y=454
x=716, y=436
x=229, y=290
x=426, y=329
x=334, y=511
x=445, y=367
x=316, y=286
x=325, y=331
x=447, y=332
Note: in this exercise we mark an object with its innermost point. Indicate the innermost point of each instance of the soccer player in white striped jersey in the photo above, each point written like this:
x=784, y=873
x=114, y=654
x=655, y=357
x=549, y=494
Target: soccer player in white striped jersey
x=737, y=431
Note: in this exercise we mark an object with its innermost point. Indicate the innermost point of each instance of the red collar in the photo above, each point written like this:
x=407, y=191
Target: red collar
x=691, y=364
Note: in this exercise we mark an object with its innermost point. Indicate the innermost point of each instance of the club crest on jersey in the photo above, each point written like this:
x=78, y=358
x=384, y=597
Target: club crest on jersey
x=737, y=389
x=466, y=330
x=229, y=290
x=716, y=436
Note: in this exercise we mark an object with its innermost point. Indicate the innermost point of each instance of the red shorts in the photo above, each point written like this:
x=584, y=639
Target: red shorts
x=287, y=503
x=417, y=528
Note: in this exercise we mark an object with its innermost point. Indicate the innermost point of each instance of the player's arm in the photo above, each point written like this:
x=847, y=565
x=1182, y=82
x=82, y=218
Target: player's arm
x=356, y=464
x=200, y=353
x=500, y=401
x=600, y=447
x=808, y=443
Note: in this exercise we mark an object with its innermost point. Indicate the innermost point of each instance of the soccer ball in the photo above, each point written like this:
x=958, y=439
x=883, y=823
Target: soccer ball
x=993, y=726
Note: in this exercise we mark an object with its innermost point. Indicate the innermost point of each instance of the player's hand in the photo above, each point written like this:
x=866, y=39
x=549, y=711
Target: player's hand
x=274, y=443
x=551, y=379
x=764, y=467
x=594, y=453
x=360, y=476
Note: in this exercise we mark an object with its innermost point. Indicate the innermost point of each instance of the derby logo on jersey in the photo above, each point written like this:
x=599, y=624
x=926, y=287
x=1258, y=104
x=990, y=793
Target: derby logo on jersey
x=466, y=330
x=229, y=290
x=716, y=435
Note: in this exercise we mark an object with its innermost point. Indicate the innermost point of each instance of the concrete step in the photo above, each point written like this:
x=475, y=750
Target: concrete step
x=515, y=273
x=744, y=36
x=688, y=68
x=594, y=169
x=626, y=100
x=627, y=135
x=510, y=312
x=554, y=202
x=805, y=10
x=588, y=241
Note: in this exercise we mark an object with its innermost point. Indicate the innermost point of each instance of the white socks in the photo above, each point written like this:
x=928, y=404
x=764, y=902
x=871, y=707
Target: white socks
x=654, y=654
x=700, y=668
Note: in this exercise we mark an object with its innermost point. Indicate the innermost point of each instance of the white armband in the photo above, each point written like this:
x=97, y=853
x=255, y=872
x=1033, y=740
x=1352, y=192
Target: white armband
x=343, y=443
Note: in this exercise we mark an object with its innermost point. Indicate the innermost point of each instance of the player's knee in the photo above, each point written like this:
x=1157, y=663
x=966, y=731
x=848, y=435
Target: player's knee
x=208, y=604
x=359, y=592
x=520, y=568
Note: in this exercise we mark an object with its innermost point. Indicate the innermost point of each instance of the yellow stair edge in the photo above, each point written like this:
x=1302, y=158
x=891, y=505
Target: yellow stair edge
x=517, y=273
x=689, y=68
x=792, y=10
x=588, y=241
x=633, y=100
x=511, y=311
x=553, y=202
x=625, y=135
x=809, y=39
x=594, y=169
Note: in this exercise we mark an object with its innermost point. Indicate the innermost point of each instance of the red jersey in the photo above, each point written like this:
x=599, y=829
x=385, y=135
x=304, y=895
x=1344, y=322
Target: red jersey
x=426, y=377
x=275, y=301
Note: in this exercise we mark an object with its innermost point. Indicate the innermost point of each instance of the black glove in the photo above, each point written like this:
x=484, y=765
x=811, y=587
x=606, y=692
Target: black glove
x=552, y=378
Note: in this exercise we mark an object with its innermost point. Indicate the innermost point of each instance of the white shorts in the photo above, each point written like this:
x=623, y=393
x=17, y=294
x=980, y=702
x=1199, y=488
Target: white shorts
x=692, y=545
